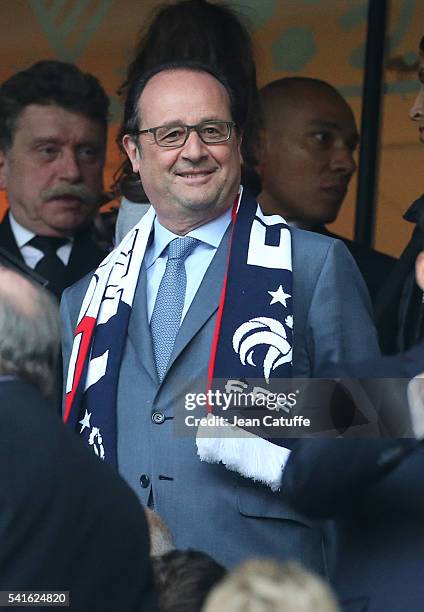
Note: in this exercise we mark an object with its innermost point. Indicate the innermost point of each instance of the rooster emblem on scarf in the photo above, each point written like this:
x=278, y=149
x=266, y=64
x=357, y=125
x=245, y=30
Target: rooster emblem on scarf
x=259, y=331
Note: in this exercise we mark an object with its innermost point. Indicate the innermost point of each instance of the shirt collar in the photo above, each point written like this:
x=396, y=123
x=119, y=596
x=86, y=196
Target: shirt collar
x=211, y=234
x=24, y=235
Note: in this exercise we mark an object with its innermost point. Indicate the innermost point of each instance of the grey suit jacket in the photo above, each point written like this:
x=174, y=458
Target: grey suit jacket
x=206, y=506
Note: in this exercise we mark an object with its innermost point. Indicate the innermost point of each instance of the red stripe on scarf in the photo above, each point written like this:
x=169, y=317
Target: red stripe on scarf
x=217, y=330
x=85, y=327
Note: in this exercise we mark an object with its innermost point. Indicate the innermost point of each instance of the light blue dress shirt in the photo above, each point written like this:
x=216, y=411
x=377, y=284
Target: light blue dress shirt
x=196, y=264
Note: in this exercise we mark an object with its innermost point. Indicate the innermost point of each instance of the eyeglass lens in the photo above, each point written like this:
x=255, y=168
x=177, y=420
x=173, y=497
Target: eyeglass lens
x=210, y=132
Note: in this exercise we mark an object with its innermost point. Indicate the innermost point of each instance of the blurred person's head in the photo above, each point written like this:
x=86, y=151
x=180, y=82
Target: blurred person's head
x=212, y=34
x=29, y=331
x=417, y=111
x=53, y=128
x=193, y=179
x=161, y=540
x=305, y=151
x=268, y=586
x=183, y=580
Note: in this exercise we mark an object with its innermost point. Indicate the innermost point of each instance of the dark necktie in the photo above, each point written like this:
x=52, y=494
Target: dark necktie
x=50, y=266
x=166, y=316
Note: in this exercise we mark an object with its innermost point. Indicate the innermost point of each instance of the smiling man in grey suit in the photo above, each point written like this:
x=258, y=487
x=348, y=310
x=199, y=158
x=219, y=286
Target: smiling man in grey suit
x=150, y=327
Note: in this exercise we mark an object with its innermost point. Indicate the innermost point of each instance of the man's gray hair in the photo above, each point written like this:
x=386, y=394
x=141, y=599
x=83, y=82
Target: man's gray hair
x=29, y=334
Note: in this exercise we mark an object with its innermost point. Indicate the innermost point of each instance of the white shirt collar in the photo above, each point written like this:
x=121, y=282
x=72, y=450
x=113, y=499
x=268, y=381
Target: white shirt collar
x=24, y=235
x=211, y=234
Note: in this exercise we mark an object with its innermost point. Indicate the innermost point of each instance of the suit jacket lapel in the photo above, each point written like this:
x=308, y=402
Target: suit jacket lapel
x=206, y=300
x=7, y=239
x=204, y=305
x=85, y=256
x=392, y=289
x=388, y=301
x=139, y=329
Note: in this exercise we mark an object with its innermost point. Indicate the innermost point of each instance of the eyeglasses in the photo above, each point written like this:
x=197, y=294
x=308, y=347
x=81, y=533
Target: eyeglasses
x=210, y=132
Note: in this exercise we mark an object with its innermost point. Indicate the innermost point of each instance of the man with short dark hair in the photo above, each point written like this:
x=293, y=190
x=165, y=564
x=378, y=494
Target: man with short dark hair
x=204, y=287
x=53, y=128
x=67, y=522
x=306, y=161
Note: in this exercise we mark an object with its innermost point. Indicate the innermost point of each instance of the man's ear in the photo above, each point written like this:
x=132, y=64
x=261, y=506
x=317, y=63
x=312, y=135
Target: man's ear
x=132, y=151
x=3, y=170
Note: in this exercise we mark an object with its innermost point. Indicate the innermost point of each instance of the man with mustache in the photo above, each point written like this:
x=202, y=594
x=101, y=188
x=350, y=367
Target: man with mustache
x=53, y=127
x=306, y=161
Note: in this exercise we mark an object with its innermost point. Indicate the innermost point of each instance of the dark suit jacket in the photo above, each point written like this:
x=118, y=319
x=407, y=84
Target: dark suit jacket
x=372, y=490
x=395, y=319
x=374, y=266
x=85, y=254
x=404, y=365
x=67, y=521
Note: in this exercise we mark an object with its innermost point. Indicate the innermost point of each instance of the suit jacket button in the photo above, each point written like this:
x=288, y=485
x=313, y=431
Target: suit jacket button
x=144, y=481
x=158, y=418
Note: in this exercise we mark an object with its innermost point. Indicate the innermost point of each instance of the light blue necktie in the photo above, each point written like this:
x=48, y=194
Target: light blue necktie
x=169, y=304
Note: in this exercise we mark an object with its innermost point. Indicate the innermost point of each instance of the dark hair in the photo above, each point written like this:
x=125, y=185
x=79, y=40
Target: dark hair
x=422, y=45
x=184, y=578
x=130, y=123
x=195, y=30
x=212, y=34
x=48, y=83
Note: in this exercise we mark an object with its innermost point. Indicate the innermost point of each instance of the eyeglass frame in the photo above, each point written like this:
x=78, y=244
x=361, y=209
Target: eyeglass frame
x=189, y=129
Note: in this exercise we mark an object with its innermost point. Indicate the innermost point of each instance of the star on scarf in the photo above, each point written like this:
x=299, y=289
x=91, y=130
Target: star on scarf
x=85, y=421
x=279, y=296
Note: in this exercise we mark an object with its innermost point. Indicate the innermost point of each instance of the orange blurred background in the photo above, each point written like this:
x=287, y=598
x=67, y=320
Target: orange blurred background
x=320, y=38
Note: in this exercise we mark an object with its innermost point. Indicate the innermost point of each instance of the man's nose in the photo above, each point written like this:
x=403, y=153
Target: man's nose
x=342, y=160
x=69, y=166
x=194, y=149
x=417, y=110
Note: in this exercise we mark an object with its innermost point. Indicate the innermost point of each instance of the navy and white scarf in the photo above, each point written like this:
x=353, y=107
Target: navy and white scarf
x=253, y=333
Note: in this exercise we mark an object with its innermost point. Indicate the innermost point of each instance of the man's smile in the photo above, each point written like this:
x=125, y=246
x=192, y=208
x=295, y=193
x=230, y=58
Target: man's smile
x=196, y=176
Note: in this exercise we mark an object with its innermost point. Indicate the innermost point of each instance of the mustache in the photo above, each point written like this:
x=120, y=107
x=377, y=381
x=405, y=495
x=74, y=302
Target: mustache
x=80, y=192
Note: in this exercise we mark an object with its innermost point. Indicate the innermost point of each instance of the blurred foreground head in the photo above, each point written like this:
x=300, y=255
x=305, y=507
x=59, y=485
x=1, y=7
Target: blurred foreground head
x=268, y=586
x=184, y=578
x=29, y=331
x=161, y=540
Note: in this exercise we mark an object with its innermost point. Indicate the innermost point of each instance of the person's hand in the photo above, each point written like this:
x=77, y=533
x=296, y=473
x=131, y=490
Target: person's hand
x=416, y=405
x=419, y=270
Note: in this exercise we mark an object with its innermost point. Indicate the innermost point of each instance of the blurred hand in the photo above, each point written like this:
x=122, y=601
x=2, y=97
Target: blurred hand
x=419, y=270
x=416, y=405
